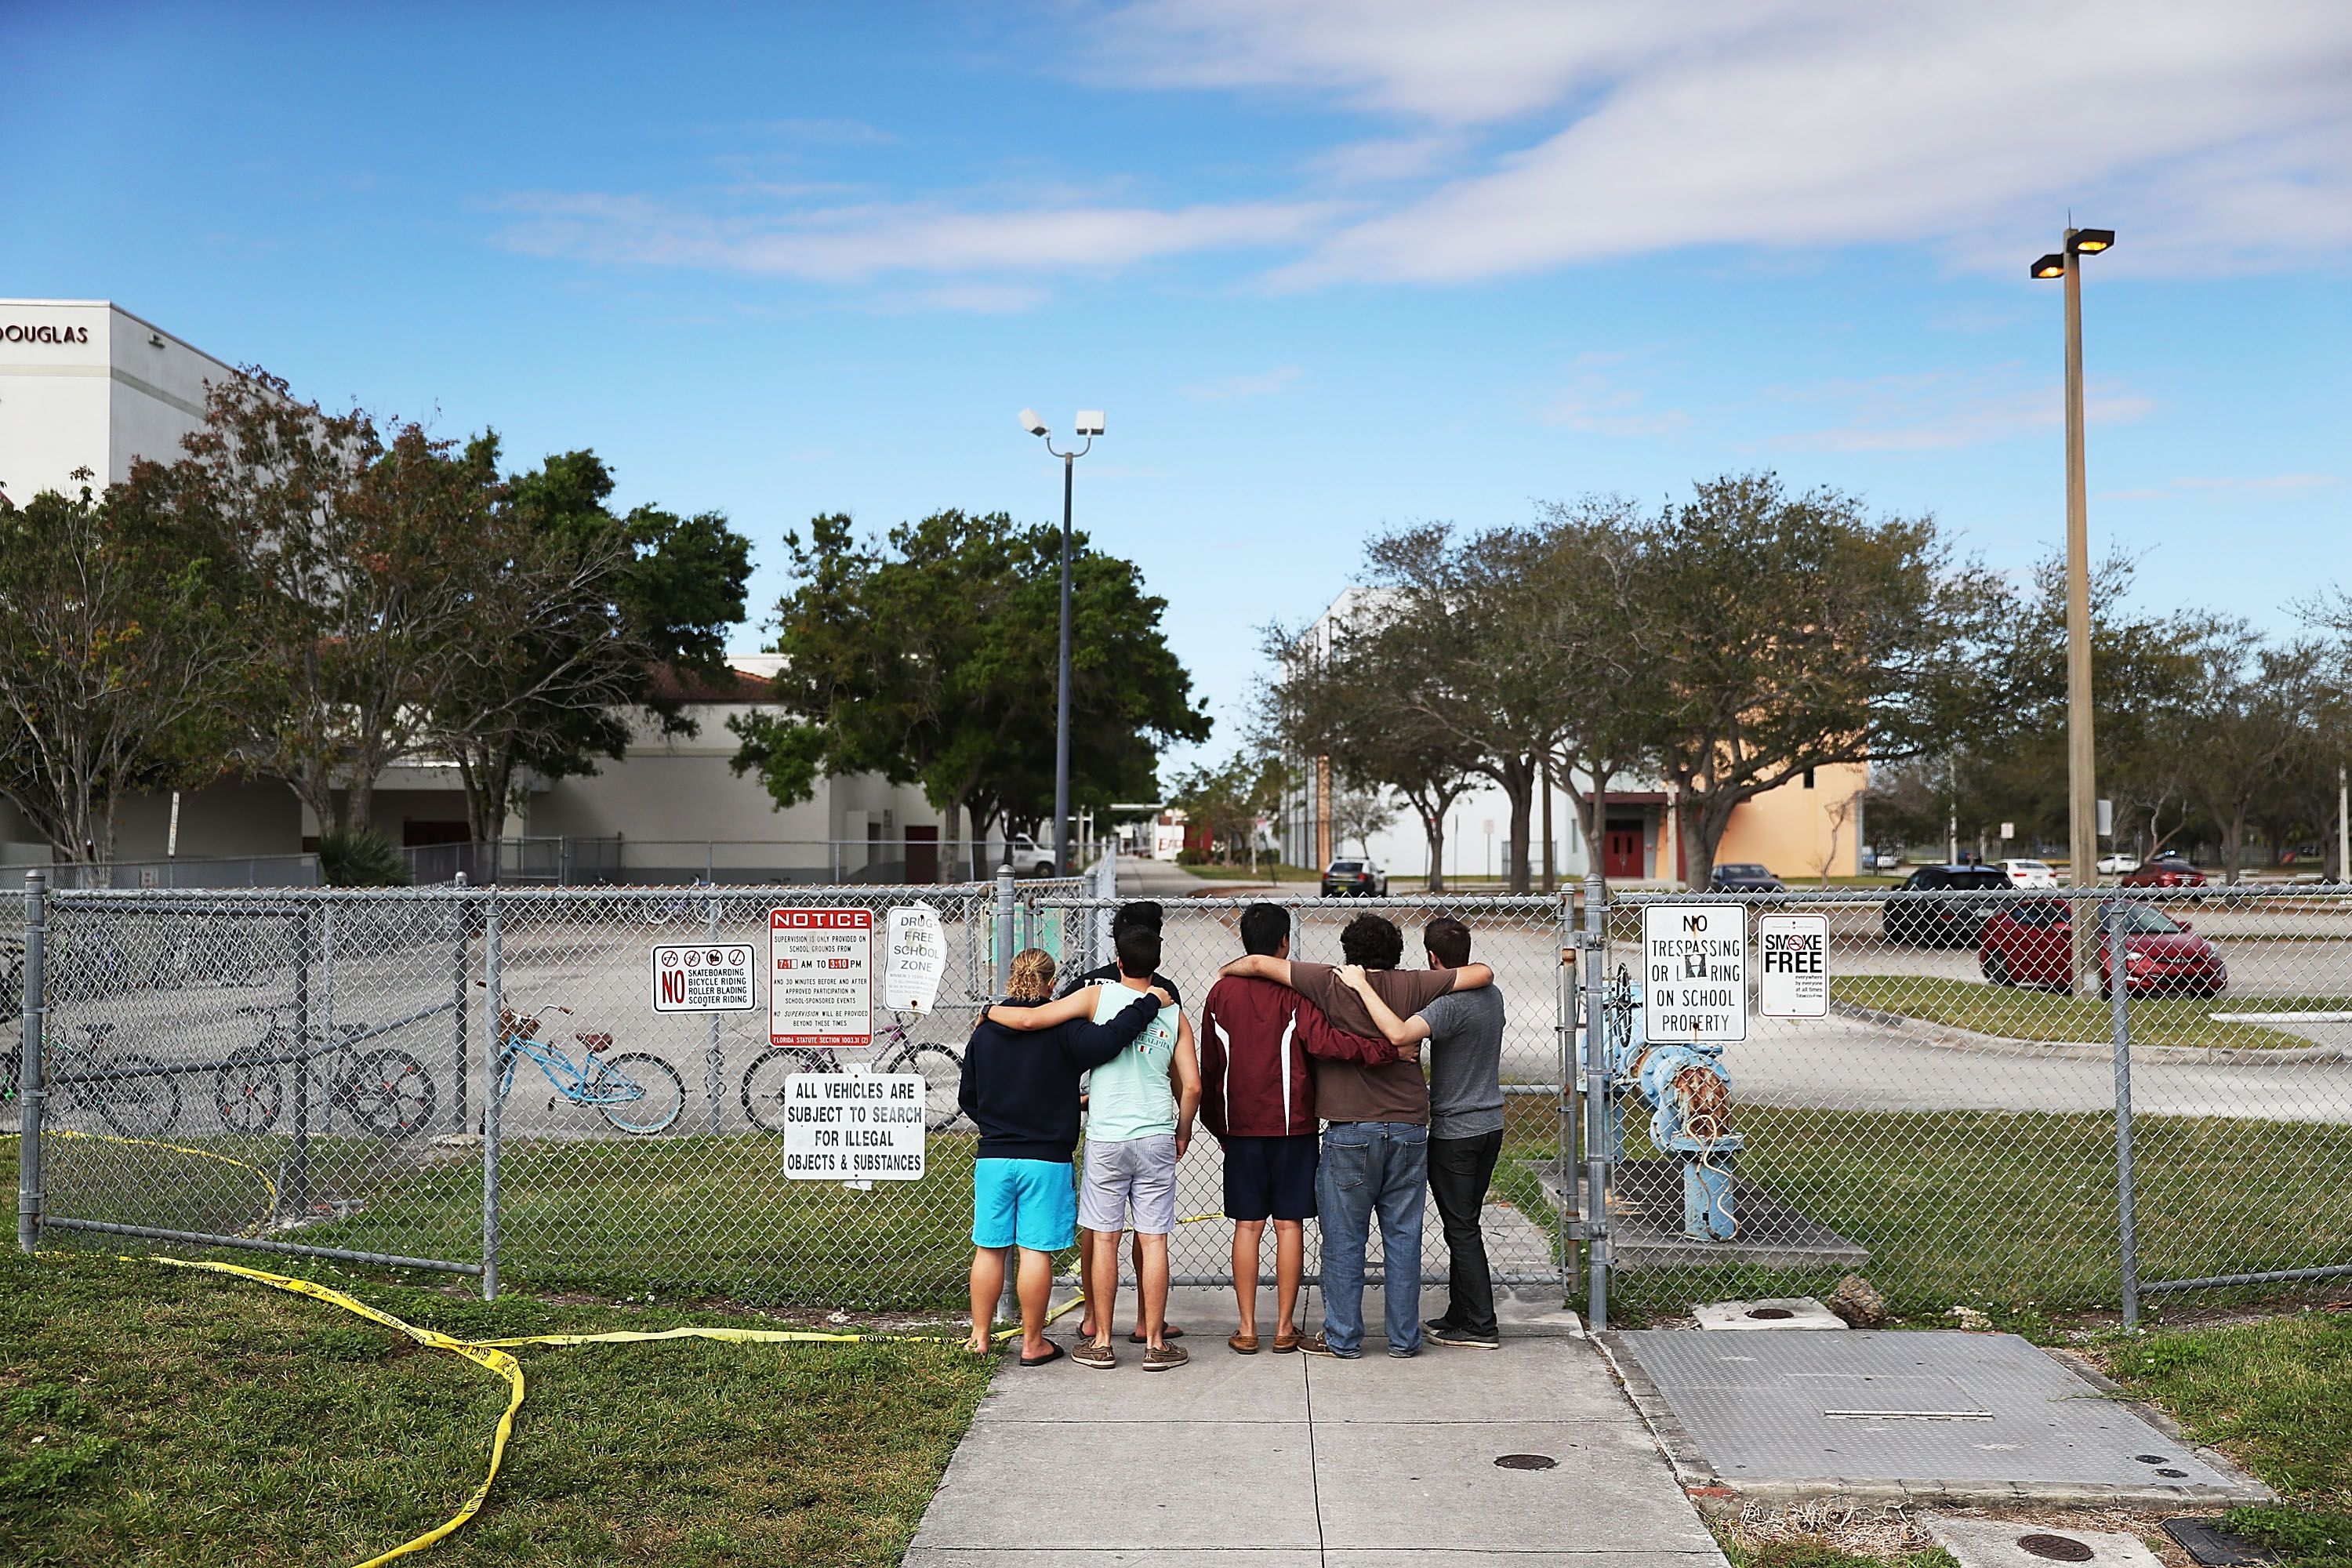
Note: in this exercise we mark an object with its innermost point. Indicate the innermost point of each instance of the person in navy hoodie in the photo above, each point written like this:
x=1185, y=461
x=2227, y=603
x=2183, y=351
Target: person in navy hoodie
x=1021, y=1090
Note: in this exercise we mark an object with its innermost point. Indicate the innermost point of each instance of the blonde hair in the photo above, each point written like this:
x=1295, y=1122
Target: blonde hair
x=1033, y=974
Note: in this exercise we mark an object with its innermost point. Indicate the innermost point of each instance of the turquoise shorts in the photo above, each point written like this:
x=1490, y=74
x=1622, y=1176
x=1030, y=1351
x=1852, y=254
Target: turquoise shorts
x=1032, y=1204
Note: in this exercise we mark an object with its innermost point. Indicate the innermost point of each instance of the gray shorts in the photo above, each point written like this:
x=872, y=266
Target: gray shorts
x=1137, y=1172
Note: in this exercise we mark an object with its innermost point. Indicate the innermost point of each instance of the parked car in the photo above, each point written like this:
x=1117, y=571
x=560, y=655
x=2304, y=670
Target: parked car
x=1952, y=917
x=2032, y=943
x=2163, y=871
x=1744, y=876
x=1359, y=879
x=1884, y=860
x=2111, y=864
x=1028, y=858
x=2029, y=873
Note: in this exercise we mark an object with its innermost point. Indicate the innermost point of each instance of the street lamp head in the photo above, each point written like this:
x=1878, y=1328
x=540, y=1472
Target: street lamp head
x=1030, y=423
x=2051, y=266
x=1090, y=422
x=2091, y=241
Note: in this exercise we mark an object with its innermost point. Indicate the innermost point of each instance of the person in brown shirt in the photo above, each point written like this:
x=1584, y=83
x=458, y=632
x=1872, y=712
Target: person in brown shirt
x=1375, y=1158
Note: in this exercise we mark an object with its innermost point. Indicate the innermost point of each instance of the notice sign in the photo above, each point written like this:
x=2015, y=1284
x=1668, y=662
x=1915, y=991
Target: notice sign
x=1792, y=957
x=1695, y=971
x=854, y=1127
x=915, y=955
x=711, y=978
x=821, y=977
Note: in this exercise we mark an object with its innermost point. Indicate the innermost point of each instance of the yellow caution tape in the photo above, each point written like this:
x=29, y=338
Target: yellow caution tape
x=495, y=1360
x=491, y=1354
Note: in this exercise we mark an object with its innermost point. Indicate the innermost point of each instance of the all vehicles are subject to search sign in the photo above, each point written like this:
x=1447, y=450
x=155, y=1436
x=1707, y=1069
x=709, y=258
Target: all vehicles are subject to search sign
x=821, y=977
x=854, y=1127
x=1793, y=959
x=702, y=978
x=1695, y=971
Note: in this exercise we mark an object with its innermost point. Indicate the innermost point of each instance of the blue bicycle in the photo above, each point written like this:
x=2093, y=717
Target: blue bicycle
x=633, y=1091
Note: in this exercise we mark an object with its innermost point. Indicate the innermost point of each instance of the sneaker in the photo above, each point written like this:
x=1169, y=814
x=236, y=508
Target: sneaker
x=1162, y=1358
x=1316, y=1344
x=1095, y=1353
x=1445, y=1335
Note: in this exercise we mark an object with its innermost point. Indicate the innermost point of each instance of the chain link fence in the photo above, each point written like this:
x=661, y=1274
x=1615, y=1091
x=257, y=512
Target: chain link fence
x=476, y=1081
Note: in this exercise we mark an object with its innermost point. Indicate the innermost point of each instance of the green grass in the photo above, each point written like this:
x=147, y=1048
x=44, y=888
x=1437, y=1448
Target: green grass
x=2013, y=1214
x=1265, y=872
x=2275, y=1396
x=157, y=1415
x=2022, y=1014
x=1820, y=1554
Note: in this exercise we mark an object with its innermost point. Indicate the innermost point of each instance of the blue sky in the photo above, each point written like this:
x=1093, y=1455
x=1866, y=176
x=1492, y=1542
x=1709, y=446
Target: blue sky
x=1327, y=267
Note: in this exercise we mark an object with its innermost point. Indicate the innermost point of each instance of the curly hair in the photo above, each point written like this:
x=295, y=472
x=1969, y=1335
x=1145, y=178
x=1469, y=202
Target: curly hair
x=1033, y=974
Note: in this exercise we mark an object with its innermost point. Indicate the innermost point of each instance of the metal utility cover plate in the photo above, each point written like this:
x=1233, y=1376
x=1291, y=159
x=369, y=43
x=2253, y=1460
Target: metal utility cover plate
x=1958, y=1409
x=2015, y=1543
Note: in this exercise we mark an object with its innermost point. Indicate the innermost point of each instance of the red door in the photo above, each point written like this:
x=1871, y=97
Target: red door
x=1621, y=849
x=922, y=855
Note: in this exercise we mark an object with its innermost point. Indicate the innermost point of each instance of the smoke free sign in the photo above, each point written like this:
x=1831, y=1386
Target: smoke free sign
x=1694, y=972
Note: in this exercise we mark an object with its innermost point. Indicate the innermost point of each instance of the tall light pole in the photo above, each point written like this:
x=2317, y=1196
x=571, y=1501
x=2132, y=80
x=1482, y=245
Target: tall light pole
x=2082, y=784
x=1090, y=424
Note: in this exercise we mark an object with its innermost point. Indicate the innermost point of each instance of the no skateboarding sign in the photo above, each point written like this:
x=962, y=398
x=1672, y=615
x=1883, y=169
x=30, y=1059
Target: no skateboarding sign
x=702, y=977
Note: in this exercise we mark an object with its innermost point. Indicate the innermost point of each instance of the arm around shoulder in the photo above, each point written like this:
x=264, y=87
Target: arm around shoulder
x=1470, y=976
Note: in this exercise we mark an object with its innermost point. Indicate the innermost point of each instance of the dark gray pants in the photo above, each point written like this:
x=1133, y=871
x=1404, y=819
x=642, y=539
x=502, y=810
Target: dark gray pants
x=1459, y=1171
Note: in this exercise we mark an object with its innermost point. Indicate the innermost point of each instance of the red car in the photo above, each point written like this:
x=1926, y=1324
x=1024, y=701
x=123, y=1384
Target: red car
x=2163, y=871
x=2034, y=945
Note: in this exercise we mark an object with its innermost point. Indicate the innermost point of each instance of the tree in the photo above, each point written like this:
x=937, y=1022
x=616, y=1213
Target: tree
x=582, y=616
x=928, y=656
x=363, y=559
x=1330, y=697
x=2250, y=715
x=1791, y=633
x=117, y=657
x=1359, y=811
x=1226, y=801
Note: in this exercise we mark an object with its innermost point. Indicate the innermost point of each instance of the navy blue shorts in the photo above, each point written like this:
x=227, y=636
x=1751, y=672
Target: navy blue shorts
x=1270, y=1178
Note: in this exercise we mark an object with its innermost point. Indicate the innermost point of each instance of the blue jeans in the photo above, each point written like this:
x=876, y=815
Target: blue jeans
x=1371, y=1168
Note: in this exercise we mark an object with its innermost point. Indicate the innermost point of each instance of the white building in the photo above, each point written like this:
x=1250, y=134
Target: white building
x=85, y=384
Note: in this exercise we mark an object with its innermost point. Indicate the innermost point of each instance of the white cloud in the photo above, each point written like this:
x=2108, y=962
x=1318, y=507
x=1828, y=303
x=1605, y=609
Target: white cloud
x=1234, y=387
x=1943, y=410
x=2212, y=137
x=2264, y=485
x=856, y=243
x=1594, y=397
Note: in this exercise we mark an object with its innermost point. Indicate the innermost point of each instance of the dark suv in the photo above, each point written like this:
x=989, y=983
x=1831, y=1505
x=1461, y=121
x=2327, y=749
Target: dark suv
x=1361, y=878
x=1744, y=876
x=1946, y=906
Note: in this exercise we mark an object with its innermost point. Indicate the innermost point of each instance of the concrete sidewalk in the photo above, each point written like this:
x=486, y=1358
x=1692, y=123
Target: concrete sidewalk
x=1298, y=1461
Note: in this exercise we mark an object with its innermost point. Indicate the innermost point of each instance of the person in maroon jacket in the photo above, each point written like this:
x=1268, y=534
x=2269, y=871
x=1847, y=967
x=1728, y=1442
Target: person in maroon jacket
x=1258, y=1100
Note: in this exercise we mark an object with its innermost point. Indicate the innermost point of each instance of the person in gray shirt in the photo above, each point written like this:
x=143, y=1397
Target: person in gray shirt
x=1465, y=1031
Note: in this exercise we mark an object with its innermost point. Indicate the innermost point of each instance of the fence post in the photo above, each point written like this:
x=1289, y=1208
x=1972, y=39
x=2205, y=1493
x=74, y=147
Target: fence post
x=31, y=1084
x=298, y=1170
x=714, y=1066
x=1566, y=1107
x=1596, y=1106
x=1004, y=929
x=458, y=989
x=492, y=1048
x=2127, y=1201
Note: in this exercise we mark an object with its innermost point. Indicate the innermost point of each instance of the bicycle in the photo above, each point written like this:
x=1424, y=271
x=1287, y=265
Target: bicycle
x=942, y=1066
x=670, y=908
x=633, y=1091
x=137, y=1095
x=386, y=1090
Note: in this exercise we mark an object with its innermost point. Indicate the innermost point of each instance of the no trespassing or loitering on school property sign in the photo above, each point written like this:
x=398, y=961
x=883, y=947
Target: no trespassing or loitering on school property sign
x=1693, y=973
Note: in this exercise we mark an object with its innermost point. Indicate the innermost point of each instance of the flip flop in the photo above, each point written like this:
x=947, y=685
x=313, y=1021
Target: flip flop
x=1052, y=1354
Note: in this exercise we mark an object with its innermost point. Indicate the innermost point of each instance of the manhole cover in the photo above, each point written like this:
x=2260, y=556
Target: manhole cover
x=1525, y=1461
x=2055, y=1547
x=1769, y=1314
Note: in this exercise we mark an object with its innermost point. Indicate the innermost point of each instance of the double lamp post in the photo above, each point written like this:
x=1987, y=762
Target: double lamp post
x=2082, y=784
x=1090, y=424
